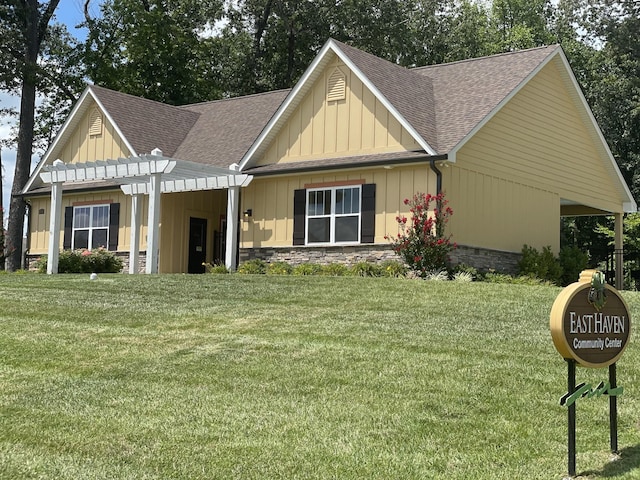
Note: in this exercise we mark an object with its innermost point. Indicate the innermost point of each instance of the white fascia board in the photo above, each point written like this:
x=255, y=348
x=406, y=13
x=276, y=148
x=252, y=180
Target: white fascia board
x=285, y=105
x=309, y=73
x=86, y=96
x=386, y=103
x=497, y=108
x=132, y=152
x=629, y=205
x=56, y=140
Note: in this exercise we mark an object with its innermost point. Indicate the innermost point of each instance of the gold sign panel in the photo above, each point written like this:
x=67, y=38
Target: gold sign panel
x=590, y=322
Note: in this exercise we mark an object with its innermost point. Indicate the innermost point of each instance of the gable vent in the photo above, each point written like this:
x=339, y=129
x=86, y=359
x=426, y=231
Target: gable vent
x=337, y=86
x=95, y=122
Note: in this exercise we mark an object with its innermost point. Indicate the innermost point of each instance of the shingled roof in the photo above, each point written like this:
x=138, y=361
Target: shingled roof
x=146, y=124
x=440, y=104
x=225, y=129
x=466, y=92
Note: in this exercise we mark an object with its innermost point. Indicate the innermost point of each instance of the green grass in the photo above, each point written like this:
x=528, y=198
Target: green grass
x=247, y=377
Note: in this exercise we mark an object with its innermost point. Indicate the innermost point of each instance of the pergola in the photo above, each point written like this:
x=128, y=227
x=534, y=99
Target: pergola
x=150, y=175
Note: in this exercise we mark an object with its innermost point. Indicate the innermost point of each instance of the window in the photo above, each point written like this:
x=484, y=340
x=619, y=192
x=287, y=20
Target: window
x=333, y=215
x=90, y=227
x=343, y=210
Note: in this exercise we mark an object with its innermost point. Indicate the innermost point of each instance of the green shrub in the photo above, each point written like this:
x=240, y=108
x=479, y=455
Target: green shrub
x=467, y=269
x=99, y=260
x=573, y=261
x=253, y=267
x=366, y=269
x=421, y=242
x=335, y=270
x=279, y=268
x=393, y=268
x=307, y=269
x=216, y=268
x=542, y=265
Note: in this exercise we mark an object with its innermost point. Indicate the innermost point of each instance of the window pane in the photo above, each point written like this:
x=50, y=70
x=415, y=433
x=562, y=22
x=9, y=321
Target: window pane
x=81, y=217
x=99, y=238
x=347, y=201
x=318, y=230
x=101, y=216
x=81, y=239
x=319, y=202
x=347, y=229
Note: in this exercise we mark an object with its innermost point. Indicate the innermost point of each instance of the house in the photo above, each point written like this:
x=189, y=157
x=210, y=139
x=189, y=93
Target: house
x=319, y=172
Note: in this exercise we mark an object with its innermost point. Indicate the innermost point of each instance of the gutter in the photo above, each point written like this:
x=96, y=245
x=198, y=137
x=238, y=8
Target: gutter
x=438, y=173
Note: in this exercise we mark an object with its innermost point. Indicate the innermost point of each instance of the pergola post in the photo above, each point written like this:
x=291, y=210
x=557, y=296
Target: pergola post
x=233, y=199
x=153, y=230
x=134, y=242
x=54, y=228
x=619, y=250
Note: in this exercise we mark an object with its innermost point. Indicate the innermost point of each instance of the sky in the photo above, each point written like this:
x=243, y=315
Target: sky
x=69, y=12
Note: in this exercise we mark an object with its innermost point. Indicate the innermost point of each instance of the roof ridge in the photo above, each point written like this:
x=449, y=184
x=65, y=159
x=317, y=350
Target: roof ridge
x=486, y=57
x=130, y=95
x=228, y=99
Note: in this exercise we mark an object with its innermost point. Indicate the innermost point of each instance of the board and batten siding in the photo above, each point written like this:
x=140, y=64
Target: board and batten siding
x=175, y=212
x=539, y=139
x=271, y=201
x=321, y=128
x=39, y=222
x=84, y=147
x=509, y=179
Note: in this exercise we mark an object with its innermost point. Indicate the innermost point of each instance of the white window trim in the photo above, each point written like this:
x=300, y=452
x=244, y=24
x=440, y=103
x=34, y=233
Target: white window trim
x=333, y=215
x=90, y=228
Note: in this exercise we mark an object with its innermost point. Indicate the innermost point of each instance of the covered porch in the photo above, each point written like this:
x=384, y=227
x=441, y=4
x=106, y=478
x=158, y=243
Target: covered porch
x=145, y=175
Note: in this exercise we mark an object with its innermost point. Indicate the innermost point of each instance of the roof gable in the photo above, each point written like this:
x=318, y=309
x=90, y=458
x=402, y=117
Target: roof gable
x=358, y=62
x=468, y=92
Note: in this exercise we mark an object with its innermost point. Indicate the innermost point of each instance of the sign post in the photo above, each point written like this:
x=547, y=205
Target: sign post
x=590, y=326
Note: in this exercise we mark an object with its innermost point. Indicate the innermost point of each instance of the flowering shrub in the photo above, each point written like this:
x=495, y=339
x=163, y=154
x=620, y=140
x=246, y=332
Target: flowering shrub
x=421, y=241
x=99, y=260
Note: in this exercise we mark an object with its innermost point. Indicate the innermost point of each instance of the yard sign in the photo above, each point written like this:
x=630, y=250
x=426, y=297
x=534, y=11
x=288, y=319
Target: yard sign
x=590, y=325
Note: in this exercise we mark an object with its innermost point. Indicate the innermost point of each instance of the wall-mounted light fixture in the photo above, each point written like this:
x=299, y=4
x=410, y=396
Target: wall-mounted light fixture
x=248, y=213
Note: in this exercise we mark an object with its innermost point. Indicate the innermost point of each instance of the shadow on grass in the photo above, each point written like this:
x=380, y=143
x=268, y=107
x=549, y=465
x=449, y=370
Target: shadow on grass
x=627, y=460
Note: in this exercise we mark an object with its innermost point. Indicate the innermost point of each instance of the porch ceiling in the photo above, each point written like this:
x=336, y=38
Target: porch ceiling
x=133, y=173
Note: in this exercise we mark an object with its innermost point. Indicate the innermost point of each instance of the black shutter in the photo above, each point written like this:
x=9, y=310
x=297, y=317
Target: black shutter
x=68, y=227
x=114, y=226
x=368, y=213
x=299, y=213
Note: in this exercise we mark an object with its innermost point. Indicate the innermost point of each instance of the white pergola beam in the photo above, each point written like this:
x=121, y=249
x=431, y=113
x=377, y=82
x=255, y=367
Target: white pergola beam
x=134, y=242
x=53, y=253
x=153, y=229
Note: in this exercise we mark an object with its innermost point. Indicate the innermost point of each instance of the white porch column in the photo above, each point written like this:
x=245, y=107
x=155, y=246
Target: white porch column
x=134, y=242
x=619, y=250
x=54, y=228
x=233, y=199
x=153, y=231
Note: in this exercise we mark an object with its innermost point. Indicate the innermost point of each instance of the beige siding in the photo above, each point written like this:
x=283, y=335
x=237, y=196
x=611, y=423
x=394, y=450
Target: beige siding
x=176, y=210
x=40, y=214
x=358, y=124
x=539, y=139
x=510, y=177
x=495, y=213
x=271, y=200
x=83, y=147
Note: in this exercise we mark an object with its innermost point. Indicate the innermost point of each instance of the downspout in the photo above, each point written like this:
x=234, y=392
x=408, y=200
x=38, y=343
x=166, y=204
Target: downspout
x=438, y=175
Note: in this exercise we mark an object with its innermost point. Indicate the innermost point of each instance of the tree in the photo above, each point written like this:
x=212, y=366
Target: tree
x=24, y=24
x=156, y=49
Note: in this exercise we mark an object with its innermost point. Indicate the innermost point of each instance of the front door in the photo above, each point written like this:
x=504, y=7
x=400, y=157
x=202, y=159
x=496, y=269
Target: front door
x=197, y=244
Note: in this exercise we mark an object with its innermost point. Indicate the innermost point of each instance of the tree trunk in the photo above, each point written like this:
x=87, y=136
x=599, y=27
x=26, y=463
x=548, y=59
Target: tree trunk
x=17, y=204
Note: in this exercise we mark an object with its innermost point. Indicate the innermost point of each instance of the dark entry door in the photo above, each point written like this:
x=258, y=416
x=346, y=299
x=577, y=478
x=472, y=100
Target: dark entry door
x=197, y=244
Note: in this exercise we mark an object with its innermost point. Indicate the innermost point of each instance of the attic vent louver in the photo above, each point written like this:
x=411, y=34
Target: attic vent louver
x=336, y=86
x=95, y=122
